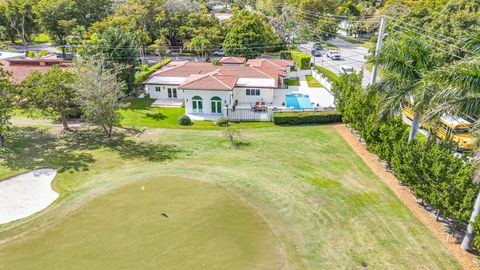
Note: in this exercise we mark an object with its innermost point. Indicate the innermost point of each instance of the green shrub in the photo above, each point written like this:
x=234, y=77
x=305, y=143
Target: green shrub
x=301, y=59
x=305, y=118
x=143, y=75
x=222, y=122
x=287, y=55
x=184, y=120
x=330, y=76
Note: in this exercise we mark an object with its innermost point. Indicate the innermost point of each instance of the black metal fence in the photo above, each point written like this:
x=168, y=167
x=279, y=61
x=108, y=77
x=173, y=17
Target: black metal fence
x=317, y=109
x=247, y=115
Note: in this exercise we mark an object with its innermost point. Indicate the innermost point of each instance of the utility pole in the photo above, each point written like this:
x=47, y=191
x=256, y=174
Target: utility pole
x=283, y=24
x=381, y=34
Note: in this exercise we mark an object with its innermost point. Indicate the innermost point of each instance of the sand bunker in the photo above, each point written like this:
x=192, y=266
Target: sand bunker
x=24, y=195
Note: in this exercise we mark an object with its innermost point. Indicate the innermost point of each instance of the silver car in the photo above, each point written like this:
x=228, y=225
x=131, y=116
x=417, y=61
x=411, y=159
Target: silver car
x=334, y=55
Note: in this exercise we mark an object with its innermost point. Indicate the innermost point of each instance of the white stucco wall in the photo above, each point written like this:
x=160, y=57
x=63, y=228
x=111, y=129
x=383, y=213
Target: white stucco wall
x=163, y=94
x=206, y=96
x=240, y=94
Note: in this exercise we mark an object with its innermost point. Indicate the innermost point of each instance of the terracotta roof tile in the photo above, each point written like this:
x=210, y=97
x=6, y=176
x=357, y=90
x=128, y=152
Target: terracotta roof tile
x=20, y=69
x=210, y=81
x=232, y=60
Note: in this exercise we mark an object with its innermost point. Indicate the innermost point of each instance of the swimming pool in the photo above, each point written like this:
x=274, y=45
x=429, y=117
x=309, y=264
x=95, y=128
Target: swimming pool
x=298, y=101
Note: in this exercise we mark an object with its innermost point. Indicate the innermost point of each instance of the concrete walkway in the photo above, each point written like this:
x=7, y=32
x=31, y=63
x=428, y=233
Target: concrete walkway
x=319, y=96
x=26, y=194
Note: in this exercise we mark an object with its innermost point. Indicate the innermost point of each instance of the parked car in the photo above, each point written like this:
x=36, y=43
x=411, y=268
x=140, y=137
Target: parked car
x=219, y=53
x=334, y=55
x=346, y=69
x=316, y=53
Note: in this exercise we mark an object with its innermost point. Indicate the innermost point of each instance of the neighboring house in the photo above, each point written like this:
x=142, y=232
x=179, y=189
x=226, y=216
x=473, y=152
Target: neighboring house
x=223, y=16
x=20, y=69
x=232, y=61
x=206, y=89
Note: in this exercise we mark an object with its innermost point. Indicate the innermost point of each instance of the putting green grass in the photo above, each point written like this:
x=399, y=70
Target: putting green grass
x=206, y=228
x=325, y=207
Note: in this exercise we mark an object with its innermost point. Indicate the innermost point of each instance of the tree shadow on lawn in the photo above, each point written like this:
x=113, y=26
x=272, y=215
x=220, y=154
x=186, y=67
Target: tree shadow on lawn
x=156, y=116
x=32, y=148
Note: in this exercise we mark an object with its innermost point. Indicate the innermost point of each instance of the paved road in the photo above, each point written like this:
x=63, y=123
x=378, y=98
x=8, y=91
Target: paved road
x=352, y=55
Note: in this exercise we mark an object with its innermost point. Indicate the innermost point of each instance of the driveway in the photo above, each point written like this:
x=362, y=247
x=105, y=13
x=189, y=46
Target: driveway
x=352, y=55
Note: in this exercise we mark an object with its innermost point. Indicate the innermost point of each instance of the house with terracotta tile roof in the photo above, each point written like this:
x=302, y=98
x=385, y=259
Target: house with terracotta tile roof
x=230, y=60
x=20, y=69
x=207, y=89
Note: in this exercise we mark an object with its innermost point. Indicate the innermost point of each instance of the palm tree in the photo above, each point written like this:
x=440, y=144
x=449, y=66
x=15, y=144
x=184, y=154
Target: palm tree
x=472, y=41
x=460, y=95
x=404, y=63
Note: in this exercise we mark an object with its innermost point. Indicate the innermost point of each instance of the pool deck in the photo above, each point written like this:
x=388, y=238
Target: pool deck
x=320, y=96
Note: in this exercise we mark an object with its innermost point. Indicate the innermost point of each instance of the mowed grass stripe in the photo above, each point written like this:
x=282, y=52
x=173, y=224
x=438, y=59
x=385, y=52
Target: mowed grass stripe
x=324, y=204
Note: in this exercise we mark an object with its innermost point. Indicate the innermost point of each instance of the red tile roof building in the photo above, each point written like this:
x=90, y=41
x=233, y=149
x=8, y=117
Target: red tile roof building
x=20, y=69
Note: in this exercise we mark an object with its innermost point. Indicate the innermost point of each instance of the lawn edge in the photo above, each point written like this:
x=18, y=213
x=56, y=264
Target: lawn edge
x=465, y=259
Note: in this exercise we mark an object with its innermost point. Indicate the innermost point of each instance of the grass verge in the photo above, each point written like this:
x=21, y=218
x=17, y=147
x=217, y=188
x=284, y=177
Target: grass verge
x=312, y=82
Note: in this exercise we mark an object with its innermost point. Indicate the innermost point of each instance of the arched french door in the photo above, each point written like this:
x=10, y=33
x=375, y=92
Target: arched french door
x=216, y=103
x=197, y=104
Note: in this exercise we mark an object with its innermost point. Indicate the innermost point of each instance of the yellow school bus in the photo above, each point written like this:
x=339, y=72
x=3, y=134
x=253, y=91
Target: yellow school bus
x=457, y=130
x=407, y=110
x=450, y=128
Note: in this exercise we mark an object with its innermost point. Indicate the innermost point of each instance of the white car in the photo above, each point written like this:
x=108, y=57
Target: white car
x=346, y=69
x=334, y=55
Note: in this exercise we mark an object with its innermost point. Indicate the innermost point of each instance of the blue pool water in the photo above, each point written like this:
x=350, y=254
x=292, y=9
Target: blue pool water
x=298, y=101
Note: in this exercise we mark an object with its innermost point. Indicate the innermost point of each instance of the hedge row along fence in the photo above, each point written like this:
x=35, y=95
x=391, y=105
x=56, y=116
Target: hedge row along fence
x=306, y=118
x=329, y=75
x=430, y=170
x=143, y=75
x=300, y=59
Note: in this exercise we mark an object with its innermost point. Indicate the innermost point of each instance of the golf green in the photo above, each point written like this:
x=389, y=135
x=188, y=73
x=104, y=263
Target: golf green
x=163, y=223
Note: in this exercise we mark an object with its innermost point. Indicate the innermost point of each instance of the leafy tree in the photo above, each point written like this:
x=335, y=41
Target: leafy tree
x=100, y=94
x=249, y=34
x=460, y=95
x=6, y=104
x=161, y=46
x=326, y=29
x=52, y=92
x=21, y=19
x=6, y=32
x=118, y=48
x=144, y=16
x=404, y=63
x=57, y=18
x=205, y=25
x=89, y=11
x=175, y=19
x=200, y=45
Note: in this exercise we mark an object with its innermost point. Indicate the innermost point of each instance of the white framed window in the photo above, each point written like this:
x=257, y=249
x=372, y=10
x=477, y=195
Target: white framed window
x=158, y=89
x=253, y=92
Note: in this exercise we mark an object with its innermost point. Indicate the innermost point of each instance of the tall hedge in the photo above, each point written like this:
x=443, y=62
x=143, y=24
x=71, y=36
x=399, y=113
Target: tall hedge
x=330, y=76
x=429, y=169
x=300, y=59
x=143, y=75
x=305, y=118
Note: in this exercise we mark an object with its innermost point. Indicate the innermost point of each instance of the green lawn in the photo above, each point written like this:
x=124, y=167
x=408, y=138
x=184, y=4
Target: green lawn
x=312, y=82
x=140, y=114
x=323, y=205
x=293, y=82
x=362, y=42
